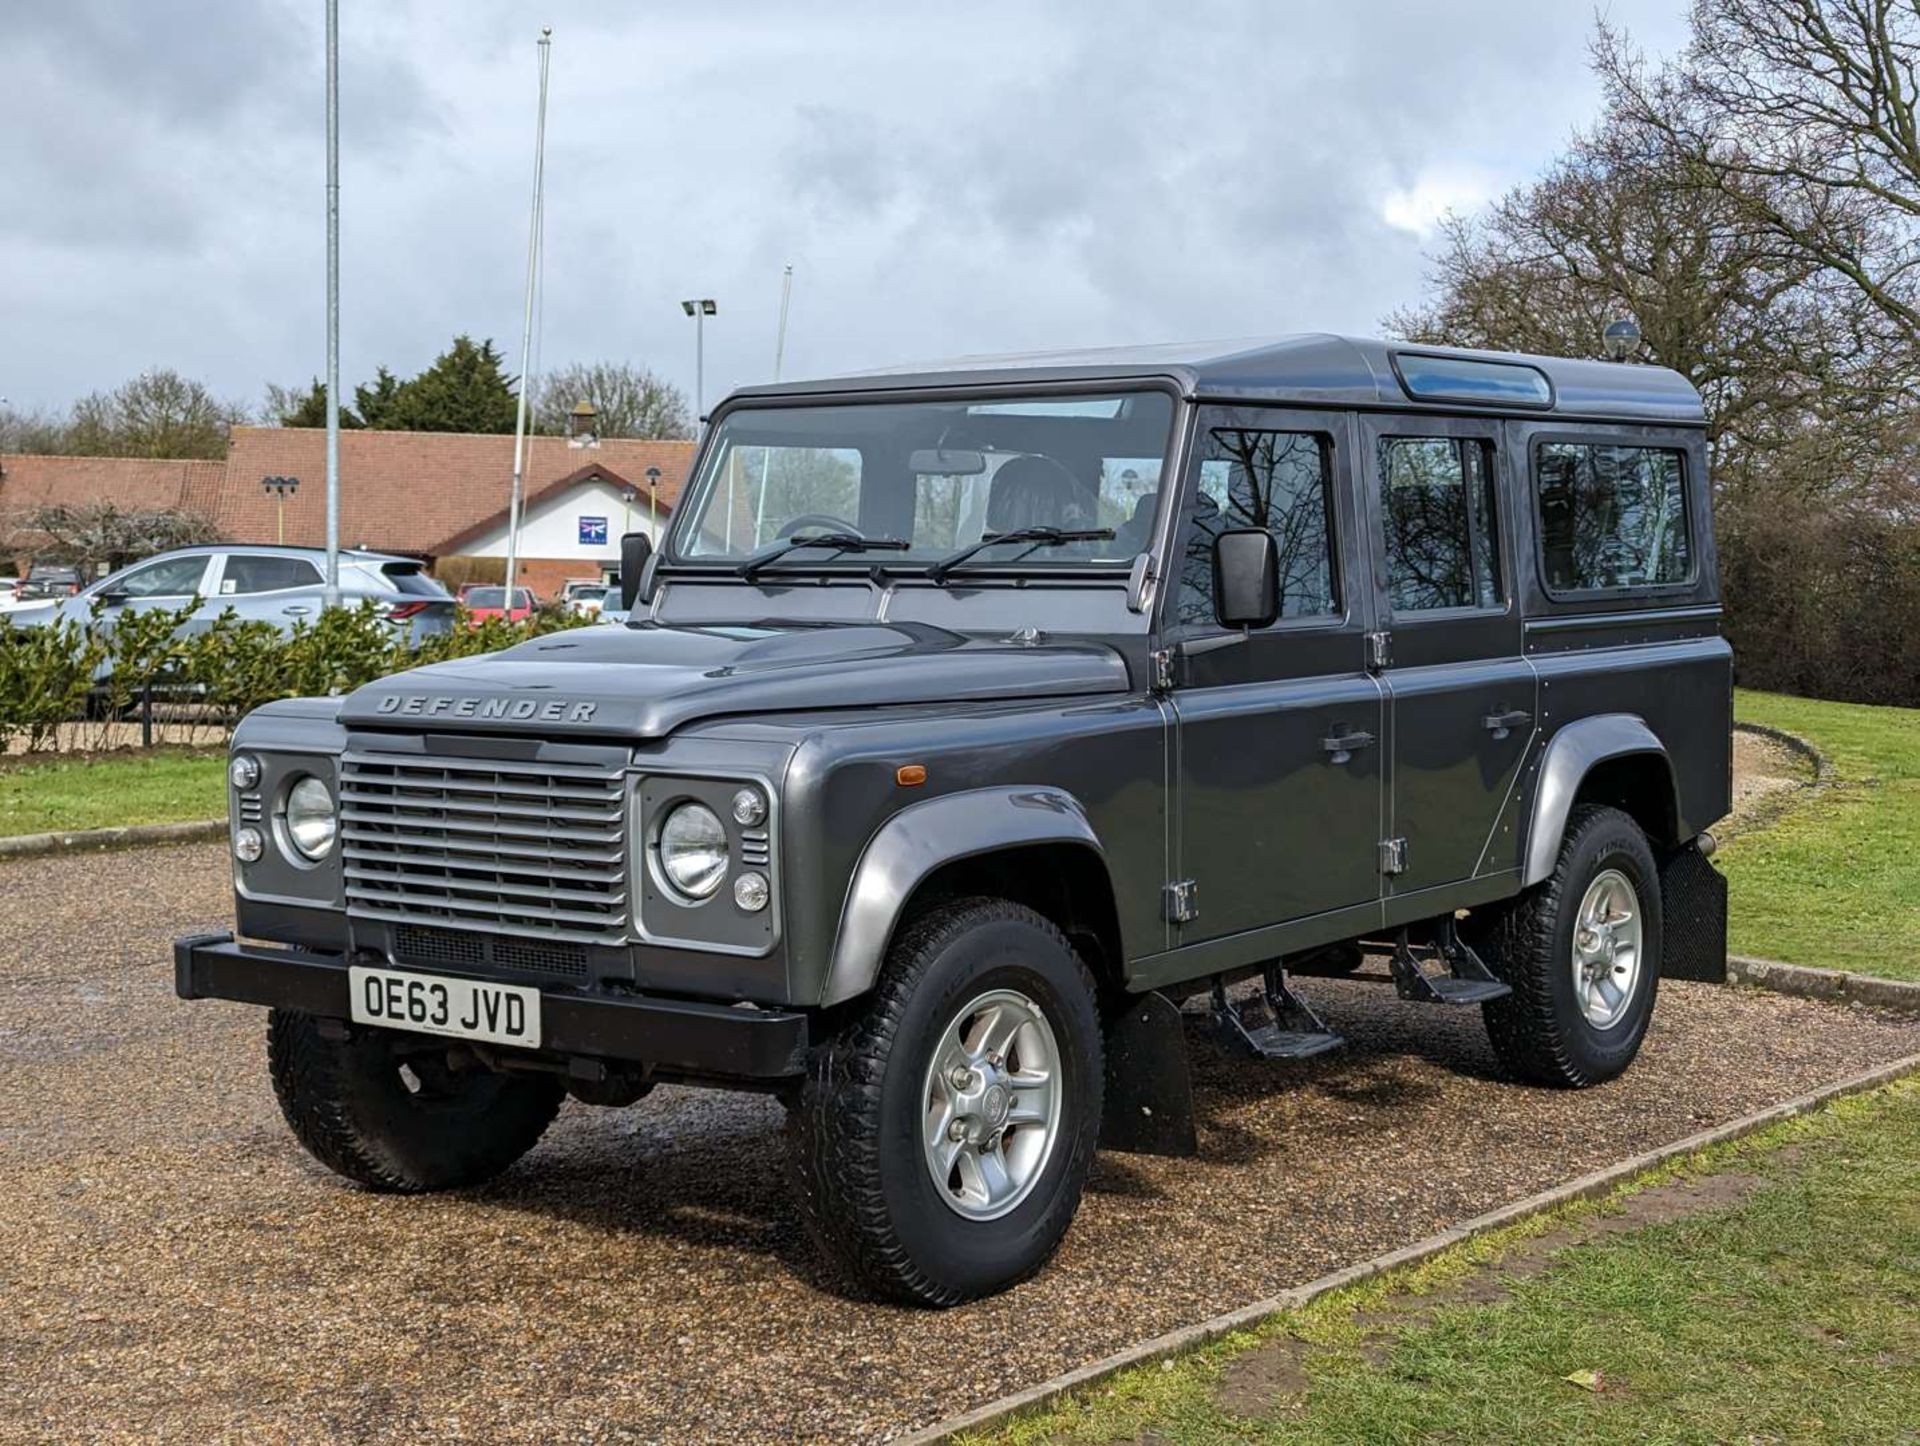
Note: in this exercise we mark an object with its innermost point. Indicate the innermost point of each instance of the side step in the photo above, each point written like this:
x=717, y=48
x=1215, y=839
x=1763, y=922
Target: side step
x=1444, y=972
x=1278, y=1024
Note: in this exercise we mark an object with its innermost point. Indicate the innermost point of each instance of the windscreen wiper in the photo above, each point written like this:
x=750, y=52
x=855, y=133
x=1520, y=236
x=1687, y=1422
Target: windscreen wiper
x=838, y=542
x=1037, y=536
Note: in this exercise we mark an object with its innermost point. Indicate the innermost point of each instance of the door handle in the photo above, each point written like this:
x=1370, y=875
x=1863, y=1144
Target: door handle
x=296, y=610
x=1342, y=746
x=1501, y=724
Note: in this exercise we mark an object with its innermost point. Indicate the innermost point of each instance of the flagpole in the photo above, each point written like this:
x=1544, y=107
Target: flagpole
x=330, y=593
x=526, y=329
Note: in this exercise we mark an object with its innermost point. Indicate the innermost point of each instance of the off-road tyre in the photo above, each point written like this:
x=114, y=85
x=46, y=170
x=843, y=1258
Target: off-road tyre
x=348, y=1103
x=1539, y=1031
x=854, y=1149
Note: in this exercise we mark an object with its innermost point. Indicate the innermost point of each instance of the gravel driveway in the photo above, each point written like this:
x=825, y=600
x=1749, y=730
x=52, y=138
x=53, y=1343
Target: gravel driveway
x=175, y=1267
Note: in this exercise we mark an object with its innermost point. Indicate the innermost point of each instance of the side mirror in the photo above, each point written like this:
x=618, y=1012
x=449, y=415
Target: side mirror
x=1246, y=578
x=635, y=549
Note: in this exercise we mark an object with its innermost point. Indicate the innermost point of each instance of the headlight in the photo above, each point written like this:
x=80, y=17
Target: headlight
x=311, y=821
x=693, y=850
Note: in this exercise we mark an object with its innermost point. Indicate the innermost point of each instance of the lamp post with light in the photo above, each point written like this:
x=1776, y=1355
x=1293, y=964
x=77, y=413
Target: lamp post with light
x=653, y=502
x=699, y=309
x=279, y=489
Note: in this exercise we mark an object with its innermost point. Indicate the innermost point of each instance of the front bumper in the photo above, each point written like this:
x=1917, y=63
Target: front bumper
x=678, y=1035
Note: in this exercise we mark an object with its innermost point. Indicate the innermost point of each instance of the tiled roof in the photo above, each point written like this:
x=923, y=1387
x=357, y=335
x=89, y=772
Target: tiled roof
x=415, y=492
x=29, y=482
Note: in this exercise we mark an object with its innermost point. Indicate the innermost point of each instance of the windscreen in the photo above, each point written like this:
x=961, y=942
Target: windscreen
x=937, y=476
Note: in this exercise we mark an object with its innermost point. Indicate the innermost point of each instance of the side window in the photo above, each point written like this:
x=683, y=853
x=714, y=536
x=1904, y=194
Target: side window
x=246, y=573
x=172, y=577
x=1611, y=517
x=1438, y=503
x=1280, y=481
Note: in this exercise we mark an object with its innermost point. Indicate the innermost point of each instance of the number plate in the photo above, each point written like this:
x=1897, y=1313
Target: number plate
x=430, y=1004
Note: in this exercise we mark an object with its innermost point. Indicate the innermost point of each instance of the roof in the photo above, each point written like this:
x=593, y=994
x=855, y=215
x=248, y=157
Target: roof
x=417, y=492
x=29, y=482
x=1314, y=369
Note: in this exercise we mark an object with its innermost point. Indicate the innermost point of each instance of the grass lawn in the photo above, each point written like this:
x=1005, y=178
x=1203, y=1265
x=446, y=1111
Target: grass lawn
x=1786, y=1309
x=57, y=794
x=1834, y=881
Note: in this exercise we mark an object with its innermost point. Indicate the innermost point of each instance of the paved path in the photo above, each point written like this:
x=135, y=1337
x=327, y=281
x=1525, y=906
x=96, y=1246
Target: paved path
x=175, y=1266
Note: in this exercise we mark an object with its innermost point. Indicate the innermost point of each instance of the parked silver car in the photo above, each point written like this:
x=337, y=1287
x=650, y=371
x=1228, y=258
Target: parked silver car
x=280, y=585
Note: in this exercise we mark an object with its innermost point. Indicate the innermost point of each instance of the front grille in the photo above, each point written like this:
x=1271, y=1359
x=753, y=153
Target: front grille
x=453, y=948
x=538, y=850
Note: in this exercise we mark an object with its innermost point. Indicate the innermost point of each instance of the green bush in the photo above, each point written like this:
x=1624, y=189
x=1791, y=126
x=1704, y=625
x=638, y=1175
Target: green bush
x=46, y=675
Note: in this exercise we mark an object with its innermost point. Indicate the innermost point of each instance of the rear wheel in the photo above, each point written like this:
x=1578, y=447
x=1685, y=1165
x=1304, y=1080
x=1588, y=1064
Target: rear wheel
x=1582, y=954
x=395, y=1117
x=942, y=1139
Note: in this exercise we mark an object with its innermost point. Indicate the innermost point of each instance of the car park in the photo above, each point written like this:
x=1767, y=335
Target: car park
x=279, y=585
x=971, y=721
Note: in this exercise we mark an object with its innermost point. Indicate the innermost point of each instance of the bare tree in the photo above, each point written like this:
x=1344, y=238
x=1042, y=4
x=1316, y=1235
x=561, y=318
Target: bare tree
x=631, y=401
x=1805, y=114
x=104, y=534
x=158, y=414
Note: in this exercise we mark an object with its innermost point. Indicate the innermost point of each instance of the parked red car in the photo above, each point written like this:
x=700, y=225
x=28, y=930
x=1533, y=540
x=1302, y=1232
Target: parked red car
x=484, y=603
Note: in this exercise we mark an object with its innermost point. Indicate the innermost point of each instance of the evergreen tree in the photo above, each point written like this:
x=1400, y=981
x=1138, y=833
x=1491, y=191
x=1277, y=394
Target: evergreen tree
x=291, y=407
x=465, y=390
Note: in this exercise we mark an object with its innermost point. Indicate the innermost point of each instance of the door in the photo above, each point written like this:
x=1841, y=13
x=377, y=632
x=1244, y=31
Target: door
x=277, y=588
x=1277, y=731
x=1459, y=692
x=166, y=584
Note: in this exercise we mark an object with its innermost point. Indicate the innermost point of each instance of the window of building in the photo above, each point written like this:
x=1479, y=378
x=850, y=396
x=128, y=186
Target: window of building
x=1280, y=481
x=1439, y=509
x=1611, y=516
x=248, y=573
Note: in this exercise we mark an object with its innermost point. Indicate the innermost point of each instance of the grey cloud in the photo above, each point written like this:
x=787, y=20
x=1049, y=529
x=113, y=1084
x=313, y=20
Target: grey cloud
x=991, y=177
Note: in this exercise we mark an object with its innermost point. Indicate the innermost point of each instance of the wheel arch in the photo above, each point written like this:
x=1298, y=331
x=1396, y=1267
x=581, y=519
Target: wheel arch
x=1611, y=758
x=1035, y=846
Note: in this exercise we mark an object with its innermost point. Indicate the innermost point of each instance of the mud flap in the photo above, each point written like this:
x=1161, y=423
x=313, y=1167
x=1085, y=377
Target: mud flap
x=1693, y=905
x=1149, y=1109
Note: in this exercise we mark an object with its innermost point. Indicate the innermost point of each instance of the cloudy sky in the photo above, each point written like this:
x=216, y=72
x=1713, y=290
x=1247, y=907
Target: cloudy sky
x=951, y=179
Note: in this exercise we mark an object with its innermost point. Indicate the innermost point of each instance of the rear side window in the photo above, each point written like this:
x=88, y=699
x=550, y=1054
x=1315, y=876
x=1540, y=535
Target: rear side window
x=1442, y=544
x=1612, y=517
x=1280, y=481
x=246, y=574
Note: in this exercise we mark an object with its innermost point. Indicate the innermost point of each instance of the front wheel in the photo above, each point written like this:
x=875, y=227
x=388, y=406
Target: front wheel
x=1582, y=954
x=942, y=1139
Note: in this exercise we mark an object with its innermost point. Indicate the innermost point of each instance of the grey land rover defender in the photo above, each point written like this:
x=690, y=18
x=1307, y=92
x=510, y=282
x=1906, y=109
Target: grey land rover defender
x=980, y=730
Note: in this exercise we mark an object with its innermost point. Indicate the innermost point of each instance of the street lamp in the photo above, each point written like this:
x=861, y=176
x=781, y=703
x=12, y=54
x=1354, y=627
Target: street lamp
x=699, y=309
x=279, y=489
x=653, y=502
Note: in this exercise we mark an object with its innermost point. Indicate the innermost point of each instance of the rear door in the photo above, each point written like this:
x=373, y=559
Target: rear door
x=1278, y=731
x=1460, y=692
x=278, y=588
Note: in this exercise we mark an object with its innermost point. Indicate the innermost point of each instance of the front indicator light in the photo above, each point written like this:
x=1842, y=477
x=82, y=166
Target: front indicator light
x=751, y=893
x=248, y=845
x=243, y=772
x=749, y=808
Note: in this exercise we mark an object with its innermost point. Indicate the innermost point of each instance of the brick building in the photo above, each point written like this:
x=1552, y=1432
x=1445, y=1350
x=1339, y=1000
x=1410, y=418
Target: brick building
x=440, y=496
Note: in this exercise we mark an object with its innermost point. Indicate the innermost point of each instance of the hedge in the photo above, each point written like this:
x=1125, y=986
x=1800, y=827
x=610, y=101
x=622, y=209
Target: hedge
x=107, y=666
